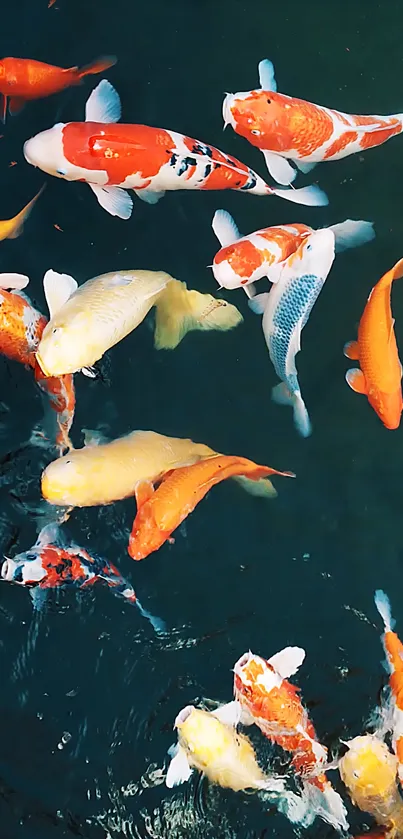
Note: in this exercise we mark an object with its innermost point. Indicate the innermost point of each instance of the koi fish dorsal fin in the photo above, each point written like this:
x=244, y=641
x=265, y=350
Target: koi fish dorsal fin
x=49, y=534
x=267, y=76
x=104, y=104
x=225, y=228
x=382, y=603
x=58, y=288
x=287, y=661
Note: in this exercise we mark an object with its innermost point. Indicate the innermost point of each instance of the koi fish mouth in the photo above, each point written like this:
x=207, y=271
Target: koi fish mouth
x=183, y=715
x=42, y=365
x=242, y=662
x=6, y=570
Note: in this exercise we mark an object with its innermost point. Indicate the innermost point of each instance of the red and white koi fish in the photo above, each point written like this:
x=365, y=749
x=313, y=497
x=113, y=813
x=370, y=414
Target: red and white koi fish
x=54, y=563
x=243, y=260
x=394, y=657
x=113, y=158
x=286, y=128
x=21, y=327
x=22, y=79
x=264, y=696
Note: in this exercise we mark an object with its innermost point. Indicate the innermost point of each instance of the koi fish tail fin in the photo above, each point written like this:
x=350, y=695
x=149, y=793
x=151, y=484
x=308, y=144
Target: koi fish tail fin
x=326, y=803
x=17, y=223
x=263, y=488
x=311, y=196
x=352, y=234
x=282, y=396
x=296, y=808
x=382, y=603
x=180, y=310
x=104, y=62
x=159, y=626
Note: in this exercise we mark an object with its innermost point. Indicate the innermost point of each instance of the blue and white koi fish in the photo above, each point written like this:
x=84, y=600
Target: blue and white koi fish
x=286, y=310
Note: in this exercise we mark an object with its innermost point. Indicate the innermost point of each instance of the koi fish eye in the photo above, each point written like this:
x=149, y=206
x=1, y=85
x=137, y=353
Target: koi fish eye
x=268, y=101
x=255, y=131
x=56, y=329
x=356, y=774
x=309, y=247
x=61, y=172
x=30, y=557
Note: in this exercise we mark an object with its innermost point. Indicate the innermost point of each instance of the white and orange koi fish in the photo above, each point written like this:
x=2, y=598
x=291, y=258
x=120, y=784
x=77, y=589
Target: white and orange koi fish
x=286, y=128
x=112, y=158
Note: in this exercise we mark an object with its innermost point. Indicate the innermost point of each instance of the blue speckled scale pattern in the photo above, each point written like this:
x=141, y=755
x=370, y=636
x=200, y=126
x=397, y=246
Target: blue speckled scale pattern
x=294, y=306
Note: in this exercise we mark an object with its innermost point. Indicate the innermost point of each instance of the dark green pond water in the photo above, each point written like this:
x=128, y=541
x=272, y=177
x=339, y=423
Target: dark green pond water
x=243, y=573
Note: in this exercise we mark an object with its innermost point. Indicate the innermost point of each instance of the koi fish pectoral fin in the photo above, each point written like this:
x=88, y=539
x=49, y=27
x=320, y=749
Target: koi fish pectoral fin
x=16, y=105
x=352, y=234
x=38, y=596
x=287, y=661
x=58, y=289
x=259, y=302
x=279, y=168
x=3, y=108
x=179, y=770
x=150, y=196
x=104, y=104
x=143, y=492
x=267, y=76
x=225, y=228
x=250, y=290
x=114, y=200
x=305, y=168
x=233, y=714
x=351, y=350
x=356, y=380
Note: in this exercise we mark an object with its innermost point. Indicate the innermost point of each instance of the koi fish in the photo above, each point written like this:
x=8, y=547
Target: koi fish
x=286, y=311
x=215, y=749
x=264, y=696
x=51, y=563
x=244, y=260
x=87, y=321
x=286, y=128
x=21, y=328
x=101, y=474
x=12, y=228
x=23, y=79
x=380, y=375
x=369, y=772
x=394, y=657
x=113, y=158
x=159, y=513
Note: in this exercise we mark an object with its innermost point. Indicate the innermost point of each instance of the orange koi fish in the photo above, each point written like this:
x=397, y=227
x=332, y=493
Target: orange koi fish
x=21, y=327
x=394, y=656
x=159, y=513
x=243, y=260
x=264, y=696
x=12, y=228
x=286, y=128
x=112, y=158
x=376, y=350
x=22, y=79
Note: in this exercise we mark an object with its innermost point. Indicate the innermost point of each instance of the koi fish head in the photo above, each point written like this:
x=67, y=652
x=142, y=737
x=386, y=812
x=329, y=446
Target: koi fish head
x=146, y=537
x=234, y=265
x=257, y=115
x=201, y=734
x=63, y=347
x=26, y=568
x=368, y=768
x=314, y=257
x=45, y=151
x=254, y=673
x=388, y=406
x=64, y=483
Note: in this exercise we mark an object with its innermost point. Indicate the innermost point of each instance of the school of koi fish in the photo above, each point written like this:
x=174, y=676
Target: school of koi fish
x=167, y=476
